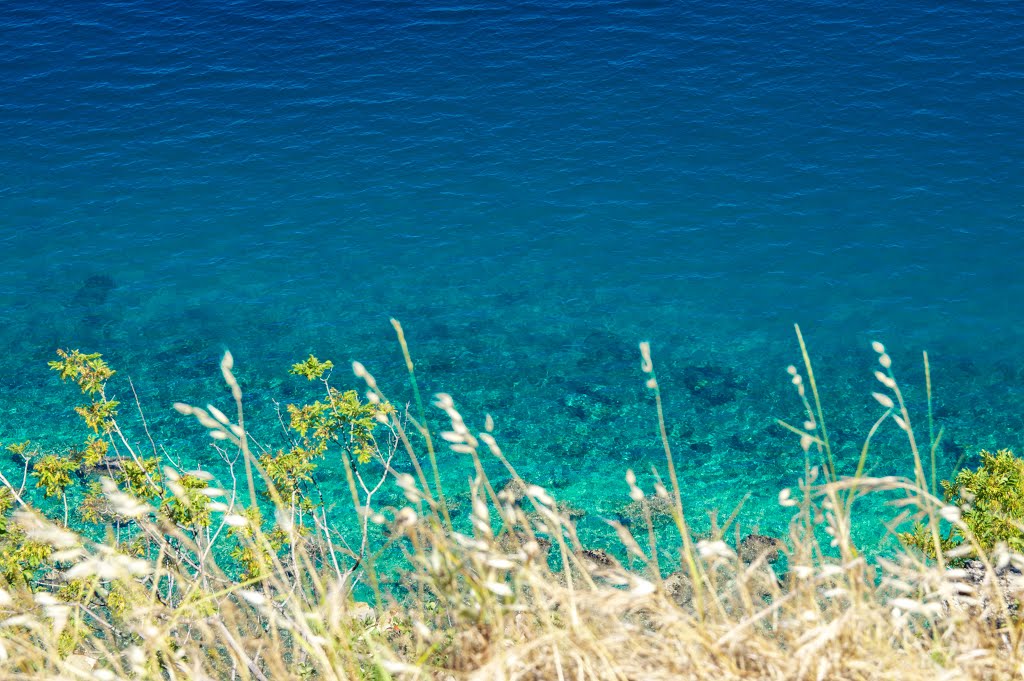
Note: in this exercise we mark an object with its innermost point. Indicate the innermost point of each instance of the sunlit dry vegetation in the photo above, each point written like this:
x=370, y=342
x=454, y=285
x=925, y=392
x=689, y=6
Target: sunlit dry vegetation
x=165, y=572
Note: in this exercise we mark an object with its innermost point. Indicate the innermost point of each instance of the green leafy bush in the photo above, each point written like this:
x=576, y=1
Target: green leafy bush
x=992, y=502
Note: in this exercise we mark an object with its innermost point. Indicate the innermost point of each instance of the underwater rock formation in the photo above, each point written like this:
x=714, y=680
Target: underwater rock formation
x=94, y=291
x=754, y=546
x=713, y=385
x=660, y=508
x=599, y=559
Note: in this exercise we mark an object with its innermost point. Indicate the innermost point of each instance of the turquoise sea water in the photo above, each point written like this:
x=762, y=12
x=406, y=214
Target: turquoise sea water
x=531, y=188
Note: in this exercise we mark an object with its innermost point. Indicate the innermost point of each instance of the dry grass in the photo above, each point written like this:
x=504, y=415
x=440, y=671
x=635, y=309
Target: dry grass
x=486, y=603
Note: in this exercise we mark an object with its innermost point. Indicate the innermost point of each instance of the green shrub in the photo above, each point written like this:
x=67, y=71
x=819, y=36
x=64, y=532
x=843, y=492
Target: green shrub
x=992, y=502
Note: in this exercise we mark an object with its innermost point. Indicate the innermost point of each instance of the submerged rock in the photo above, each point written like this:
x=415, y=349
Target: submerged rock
x=94, y=291
x=700, y=447
x=712, y=385
x=754, y=546
x=515, y=540
x=660, y=508
x=599, y=559
x=599, y=349
x=514, y=492
x=564, y=509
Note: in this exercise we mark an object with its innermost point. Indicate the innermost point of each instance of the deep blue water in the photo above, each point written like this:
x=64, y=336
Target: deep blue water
x=531, y=188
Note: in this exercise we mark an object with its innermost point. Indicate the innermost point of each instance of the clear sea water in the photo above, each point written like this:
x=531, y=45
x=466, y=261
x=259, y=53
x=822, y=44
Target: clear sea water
x=531, y=188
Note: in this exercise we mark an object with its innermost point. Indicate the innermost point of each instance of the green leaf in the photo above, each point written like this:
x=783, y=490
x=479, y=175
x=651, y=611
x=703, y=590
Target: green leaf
x=312, y=368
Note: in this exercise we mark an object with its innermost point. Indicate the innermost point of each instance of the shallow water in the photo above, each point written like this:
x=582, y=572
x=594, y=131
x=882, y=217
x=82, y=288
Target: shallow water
x=531, y=191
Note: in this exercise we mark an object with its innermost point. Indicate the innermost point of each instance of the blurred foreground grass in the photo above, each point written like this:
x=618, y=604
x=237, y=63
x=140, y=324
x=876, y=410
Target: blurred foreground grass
x=155, y=571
